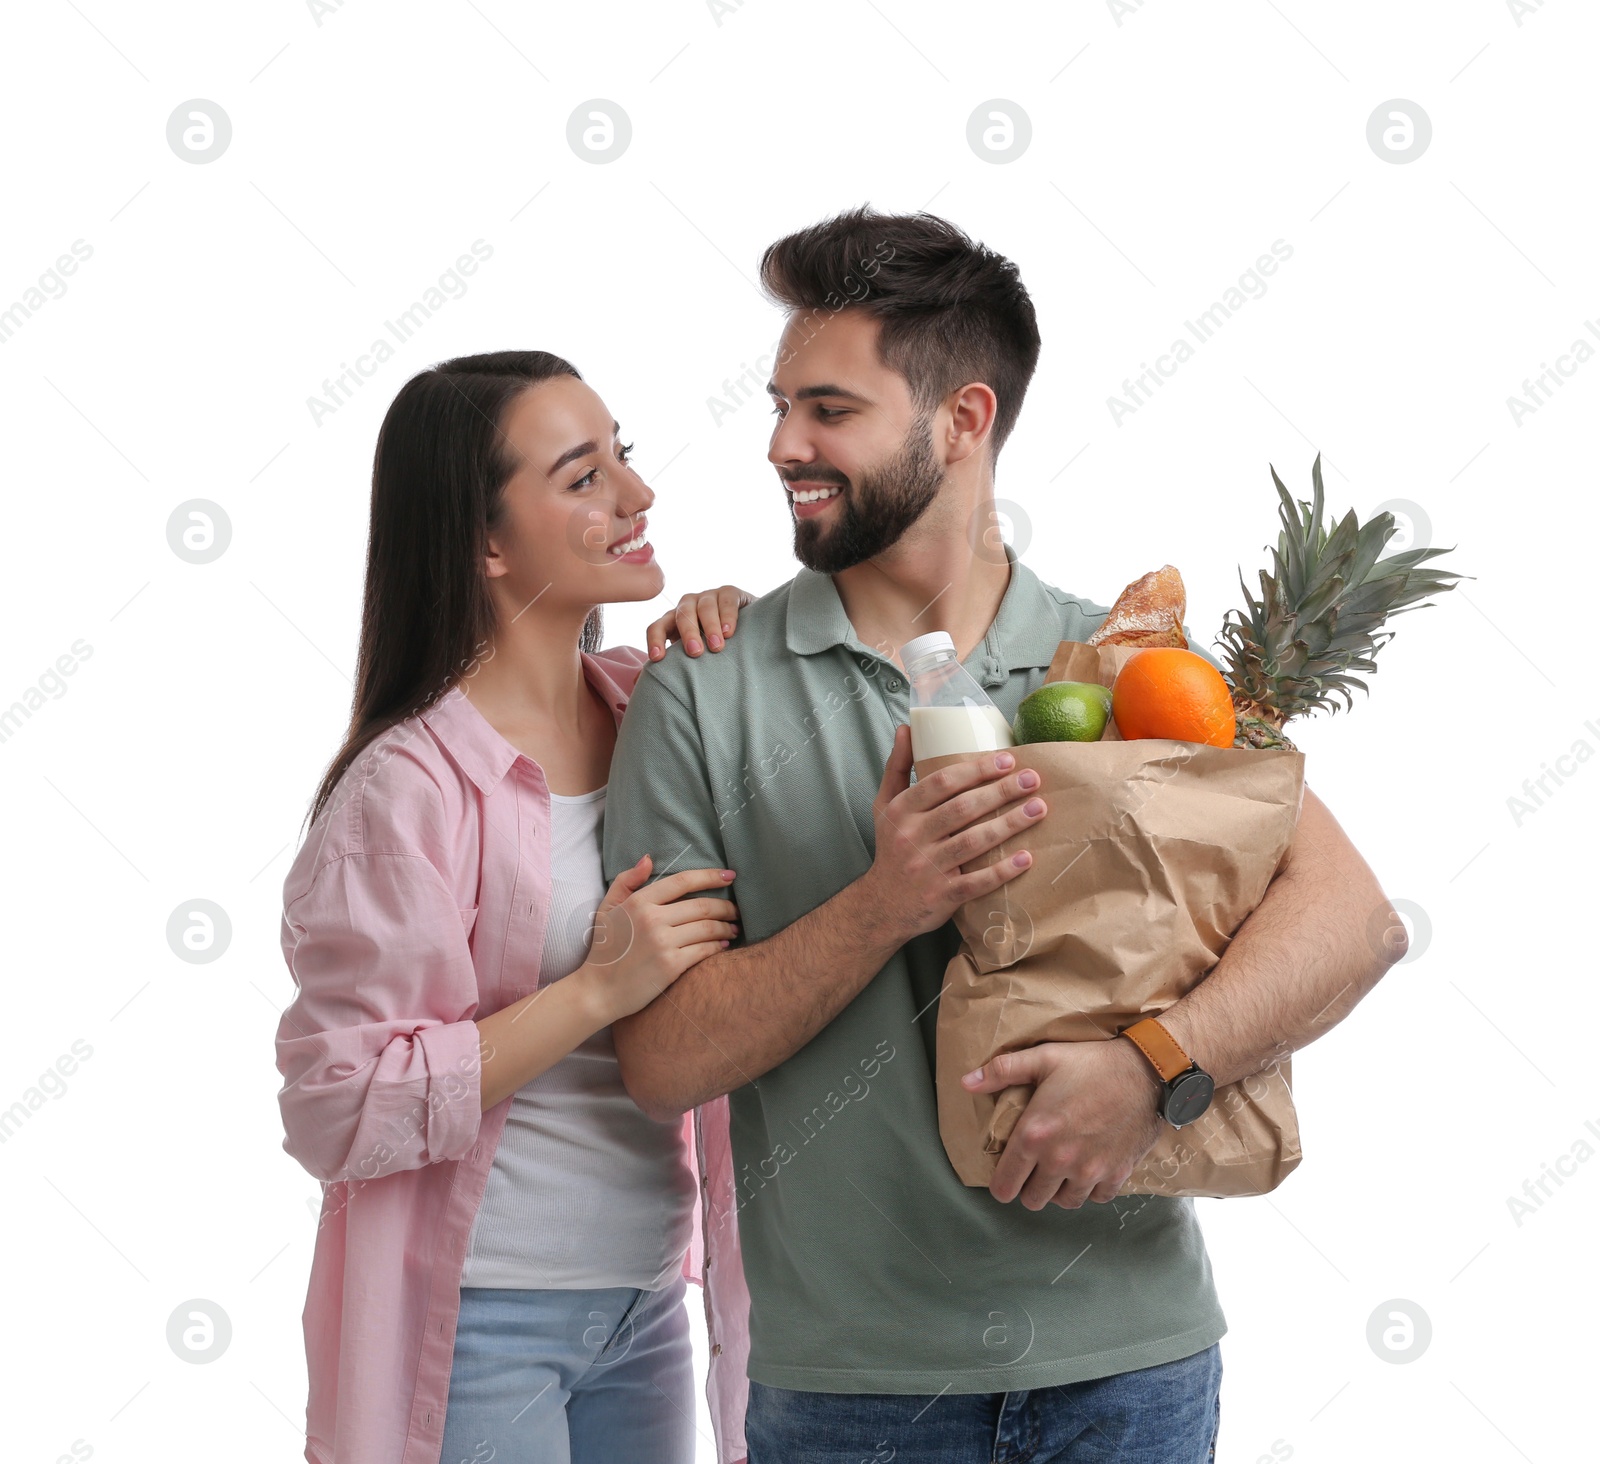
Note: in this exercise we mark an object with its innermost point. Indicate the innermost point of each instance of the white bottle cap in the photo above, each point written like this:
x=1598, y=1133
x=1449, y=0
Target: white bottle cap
x=934, y=640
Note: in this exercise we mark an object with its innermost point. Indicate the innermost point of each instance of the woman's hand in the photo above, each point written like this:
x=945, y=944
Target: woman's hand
x=648, y=935
x=717, y=611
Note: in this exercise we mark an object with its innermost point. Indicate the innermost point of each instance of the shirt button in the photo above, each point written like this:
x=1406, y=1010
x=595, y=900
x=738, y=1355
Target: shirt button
x=892, y=684
x=716, y=1349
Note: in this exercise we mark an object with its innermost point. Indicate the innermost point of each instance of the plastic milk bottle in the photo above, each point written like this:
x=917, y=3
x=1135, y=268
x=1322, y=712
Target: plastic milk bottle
x=950, y=713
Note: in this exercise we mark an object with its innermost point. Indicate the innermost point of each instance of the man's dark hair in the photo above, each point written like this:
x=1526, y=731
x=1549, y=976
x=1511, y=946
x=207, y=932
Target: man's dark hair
x=950, y=310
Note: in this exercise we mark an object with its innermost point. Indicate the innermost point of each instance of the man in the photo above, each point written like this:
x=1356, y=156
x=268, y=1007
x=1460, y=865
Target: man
x=895, y=1312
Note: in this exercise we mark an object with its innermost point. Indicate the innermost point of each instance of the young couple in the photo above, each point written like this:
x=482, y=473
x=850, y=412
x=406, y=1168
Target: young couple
x=592, y=1004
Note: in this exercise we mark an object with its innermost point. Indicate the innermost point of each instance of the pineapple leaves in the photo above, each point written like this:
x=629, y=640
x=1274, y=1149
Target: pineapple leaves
x=1319, y=619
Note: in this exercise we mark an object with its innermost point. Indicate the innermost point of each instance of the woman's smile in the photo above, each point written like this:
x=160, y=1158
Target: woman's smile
x=635, y=549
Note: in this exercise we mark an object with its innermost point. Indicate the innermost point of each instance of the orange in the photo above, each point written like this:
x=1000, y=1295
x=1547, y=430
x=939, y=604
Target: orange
x=1163, y=691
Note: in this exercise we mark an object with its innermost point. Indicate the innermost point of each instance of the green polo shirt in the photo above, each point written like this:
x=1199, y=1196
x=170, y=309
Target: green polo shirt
x=871, y=1267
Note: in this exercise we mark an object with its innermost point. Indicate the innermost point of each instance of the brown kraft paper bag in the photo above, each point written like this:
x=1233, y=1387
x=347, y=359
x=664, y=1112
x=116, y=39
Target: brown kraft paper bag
x=1150, y=856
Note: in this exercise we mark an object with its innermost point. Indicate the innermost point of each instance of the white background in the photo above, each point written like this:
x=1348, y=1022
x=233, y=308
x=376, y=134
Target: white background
x=1171, y=146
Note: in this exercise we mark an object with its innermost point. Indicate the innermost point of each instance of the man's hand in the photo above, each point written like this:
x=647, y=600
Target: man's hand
x=1091, y=1119
x=925, y=832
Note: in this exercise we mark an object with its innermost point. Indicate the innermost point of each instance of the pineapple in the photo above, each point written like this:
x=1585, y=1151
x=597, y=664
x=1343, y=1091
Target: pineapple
x=1320, y=616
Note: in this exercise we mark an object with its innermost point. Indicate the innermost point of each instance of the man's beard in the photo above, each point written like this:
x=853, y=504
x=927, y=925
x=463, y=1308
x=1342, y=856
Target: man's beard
x=883, y=504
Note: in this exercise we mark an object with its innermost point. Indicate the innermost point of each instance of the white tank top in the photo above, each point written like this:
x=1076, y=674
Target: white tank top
x=585, y=1189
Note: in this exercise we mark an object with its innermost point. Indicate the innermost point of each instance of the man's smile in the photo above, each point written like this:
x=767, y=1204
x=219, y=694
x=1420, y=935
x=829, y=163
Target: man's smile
x=809, y=499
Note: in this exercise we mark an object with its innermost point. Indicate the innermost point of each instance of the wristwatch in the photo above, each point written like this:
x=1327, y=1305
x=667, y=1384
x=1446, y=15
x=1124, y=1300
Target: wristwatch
x=1187, y=1086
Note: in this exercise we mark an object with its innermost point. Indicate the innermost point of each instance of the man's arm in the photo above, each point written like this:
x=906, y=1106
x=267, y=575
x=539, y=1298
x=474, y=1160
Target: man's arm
x=736, y=1015
x=1321, y=938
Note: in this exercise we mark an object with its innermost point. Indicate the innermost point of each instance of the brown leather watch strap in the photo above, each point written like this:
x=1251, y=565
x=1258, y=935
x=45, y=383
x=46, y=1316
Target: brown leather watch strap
x=1157, y=1044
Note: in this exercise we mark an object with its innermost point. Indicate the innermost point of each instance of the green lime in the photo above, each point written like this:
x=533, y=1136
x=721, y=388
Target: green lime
x=1063, y=711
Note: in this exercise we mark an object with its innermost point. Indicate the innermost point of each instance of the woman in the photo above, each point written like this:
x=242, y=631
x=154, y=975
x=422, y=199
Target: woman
x=500, y=1261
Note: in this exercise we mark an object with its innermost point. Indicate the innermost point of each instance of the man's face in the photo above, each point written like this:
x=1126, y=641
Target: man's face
x=848, y=428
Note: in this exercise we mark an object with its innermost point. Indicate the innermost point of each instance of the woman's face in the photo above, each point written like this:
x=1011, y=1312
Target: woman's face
x=571, y=505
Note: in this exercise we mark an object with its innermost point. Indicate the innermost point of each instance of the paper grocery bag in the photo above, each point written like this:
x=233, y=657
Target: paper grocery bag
x=1150, y=856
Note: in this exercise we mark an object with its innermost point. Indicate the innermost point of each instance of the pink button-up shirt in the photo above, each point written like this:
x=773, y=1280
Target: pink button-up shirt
x=417, y=903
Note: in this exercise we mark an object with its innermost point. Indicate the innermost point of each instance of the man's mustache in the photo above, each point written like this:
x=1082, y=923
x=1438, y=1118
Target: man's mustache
x=828, y=475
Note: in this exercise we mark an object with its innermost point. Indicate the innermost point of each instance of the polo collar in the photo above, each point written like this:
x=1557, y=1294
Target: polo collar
x=1024, y=633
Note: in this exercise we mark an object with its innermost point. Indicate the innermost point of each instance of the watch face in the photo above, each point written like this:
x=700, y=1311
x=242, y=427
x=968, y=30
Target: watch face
x=1189, y=1098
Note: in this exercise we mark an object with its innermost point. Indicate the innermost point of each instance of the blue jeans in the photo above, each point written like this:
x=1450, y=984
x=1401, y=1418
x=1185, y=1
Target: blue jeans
x=1167, y=1414
x=590, y=1377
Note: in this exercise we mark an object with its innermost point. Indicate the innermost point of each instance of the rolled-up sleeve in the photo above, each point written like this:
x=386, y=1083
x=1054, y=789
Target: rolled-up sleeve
x=379, y=1049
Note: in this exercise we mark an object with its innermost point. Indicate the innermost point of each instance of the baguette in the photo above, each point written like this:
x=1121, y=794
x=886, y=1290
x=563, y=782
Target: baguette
x=1149, y=612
